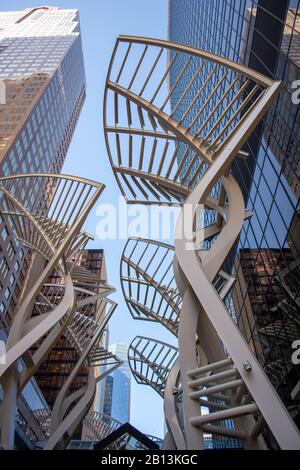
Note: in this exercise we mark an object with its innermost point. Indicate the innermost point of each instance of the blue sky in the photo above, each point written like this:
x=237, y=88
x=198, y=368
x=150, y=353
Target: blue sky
x=101, y=22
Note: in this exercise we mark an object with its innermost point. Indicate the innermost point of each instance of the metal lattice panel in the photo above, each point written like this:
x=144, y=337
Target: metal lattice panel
x=158, y=155
x=43, y=209
x=100, y=424
x=150, y=361
x=148, y=282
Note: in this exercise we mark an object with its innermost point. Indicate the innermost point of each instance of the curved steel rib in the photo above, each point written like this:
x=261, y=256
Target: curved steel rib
x=184, y=156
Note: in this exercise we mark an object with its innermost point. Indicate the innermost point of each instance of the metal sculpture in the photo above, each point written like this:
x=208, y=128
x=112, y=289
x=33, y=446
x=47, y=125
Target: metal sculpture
x=150, y=362
x=163, y=154
x=148, y=282
x=85, y=334
x=155, y=363
x=46, y=213
x=100, y=425
x=151, y=294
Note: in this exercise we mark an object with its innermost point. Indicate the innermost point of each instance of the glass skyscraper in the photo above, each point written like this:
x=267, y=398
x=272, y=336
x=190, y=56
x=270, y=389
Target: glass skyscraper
x=265, y=302
x=41, y=67
x=116, y=402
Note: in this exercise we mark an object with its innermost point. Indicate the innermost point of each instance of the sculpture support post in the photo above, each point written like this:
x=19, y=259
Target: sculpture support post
x=9, y=409
x=182, y=155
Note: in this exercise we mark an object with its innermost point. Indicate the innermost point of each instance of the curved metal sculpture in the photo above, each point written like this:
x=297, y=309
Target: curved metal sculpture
x=85, y=334
x=155, y=363
x=46, y=213
x=148, y=282
x=184, y=156
x=100, y=425
x=151, y=294
x=150, y=362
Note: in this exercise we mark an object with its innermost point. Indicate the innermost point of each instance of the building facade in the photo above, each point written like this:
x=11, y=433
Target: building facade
x=43, y=90
x=116, y=400
x=265, y=303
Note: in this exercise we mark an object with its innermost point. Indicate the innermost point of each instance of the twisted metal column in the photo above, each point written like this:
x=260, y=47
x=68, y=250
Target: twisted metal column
x=46, y=213
x=163, y=154
x=85, y=334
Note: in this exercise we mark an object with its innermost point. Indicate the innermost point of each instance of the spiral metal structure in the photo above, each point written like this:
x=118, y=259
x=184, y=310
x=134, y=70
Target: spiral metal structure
x=148, y=282
x=151, y=361
x=84, y=333
x=151, y=293
x=174, y=143
x=46, y=213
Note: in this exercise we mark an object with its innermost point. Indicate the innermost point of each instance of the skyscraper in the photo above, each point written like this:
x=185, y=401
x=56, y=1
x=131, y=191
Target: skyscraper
x=265, y=302
x=42, y=70
x=116, y=402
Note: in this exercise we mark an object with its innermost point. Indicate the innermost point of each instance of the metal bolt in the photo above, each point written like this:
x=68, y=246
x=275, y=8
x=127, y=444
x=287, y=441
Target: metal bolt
x=247, y=366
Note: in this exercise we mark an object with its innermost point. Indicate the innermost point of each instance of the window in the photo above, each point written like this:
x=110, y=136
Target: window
x=3, y=267
x=7, y=293
x=4, y=234
x=5, y=169
x=12, y=279
x=10, y=251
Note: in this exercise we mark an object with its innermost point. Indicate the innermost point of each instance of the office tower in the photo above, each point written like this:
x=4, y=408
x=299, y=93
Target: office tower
x=116, y=401
x=265, y=302
x=42, y=75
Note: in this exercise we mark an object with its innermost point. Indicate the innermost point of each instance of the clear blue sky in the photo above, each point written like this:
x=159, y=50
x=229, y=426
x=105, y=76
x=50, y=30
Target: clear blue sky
x=101, y=22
